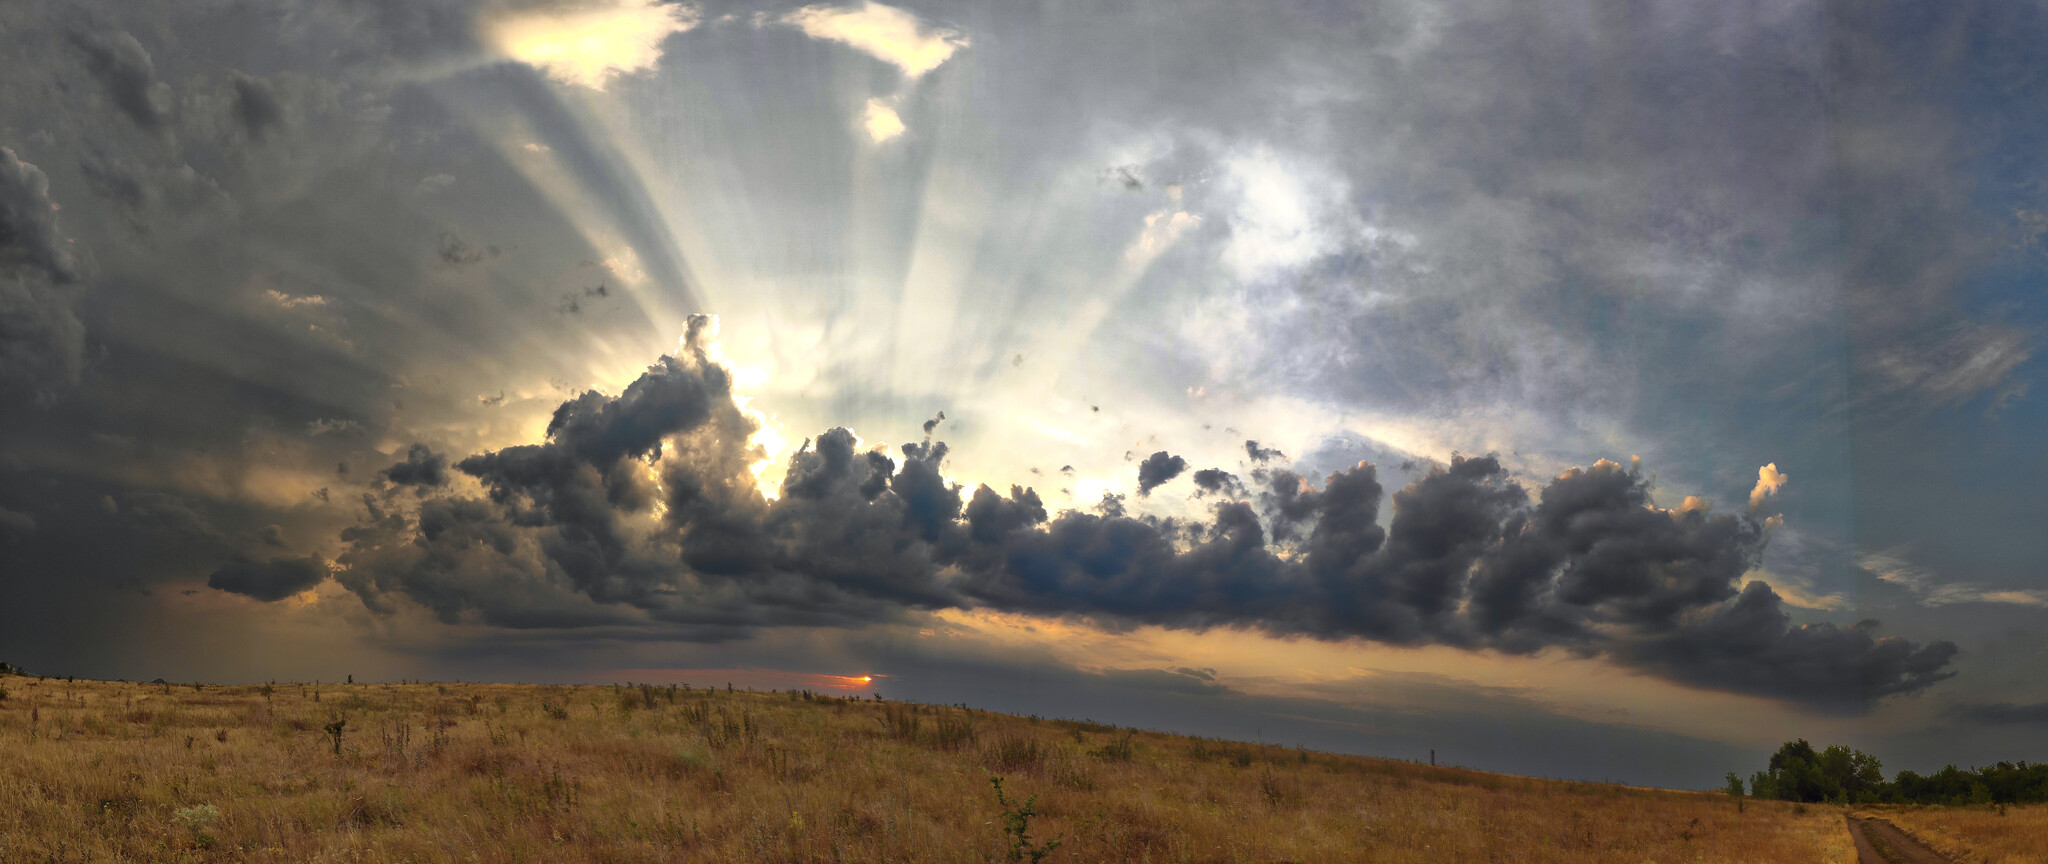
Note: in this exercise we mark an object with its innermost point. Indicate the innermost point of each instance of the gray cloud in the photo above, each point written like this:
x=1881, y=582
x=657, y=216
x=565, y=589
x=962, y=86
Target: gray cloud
x=124, y=68
x=1158, y=469
x=28, y=221
x=257, y=107
x=274, y=579
x=422, y=467
x=1217, y=481
x=16, y=522
x=41, y=338
x=2005, y=713
x=456, y=252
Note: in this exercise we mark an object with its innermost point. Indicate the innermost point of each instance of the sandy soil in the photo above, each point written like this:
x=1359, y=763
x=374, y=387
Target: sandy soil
x=1879, y=842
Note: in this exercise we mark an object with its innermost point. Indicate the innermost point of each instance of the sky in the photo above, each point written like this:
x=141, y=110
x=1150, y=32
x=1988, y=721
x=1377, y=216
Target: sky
x=1596, y=390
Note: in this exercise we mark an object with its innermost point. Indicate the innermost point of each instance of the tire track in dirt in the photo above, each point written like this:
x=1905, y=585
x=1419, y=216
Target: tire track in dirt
x=1881, y=842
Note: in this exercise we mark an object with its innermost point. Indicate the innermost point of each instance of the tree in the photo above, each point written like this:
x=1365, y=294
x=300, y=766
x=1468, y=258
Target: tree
x=1853, y=775
x=1734, y=790
x=1798, y=773
x=1763, y=785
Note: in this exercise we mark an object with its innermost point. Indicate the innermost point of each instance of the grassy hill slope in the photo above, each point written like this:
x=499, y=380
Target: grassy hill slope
x=101, y=771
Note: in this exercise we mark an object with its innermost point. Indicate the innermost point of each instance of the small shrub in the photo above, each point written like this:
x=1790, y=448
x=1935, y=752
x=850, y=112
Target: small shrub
x=1017, y=826
x=1119, y=750
x=196, y=819
x=557, y=712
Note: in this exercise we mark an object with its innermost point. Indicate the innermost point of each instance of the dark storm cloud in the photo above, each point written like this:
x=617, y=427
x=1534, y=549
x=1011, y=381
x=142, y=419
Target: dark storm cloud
x=1256, y=453
x=570, y=535
x=41, y=339
x=1158, y=469
x=1752, y=645
x=123, y=67
x=274, y=579
x=422, y=467
x=933, y=423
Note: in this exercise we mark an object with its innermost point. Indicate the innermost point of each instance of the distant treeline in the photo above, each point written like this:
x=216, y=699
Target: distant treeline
x=1841, y=775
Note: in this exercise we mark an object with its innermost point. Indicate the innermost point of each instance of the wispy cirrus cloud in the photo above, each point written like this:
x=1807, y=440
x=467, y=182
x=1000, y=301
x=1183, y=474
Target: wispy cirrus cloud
x=1892, y=566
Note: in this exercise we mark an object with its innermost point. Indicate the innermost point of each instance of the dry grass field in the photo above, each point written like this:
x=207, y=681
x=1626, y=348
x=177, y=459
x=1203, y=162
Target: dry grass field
x=104, y=772
x=1977, y=834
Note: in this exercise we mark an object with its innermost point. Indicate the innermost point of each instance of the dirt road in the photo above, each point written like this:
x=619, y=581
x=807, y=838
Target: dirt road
x=1878, y=842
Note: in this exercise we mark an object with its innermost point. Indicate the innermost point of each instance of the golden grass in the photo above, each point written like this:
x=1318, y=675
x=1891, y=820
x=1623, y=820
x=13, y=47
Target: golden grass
x=96, y=771
x=1988, y=834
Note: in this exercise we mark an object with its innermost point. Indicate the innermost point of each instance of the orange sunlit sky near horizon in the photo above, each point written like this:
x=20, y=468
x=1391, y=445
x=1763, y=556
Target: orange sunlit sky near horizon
x=748, y=678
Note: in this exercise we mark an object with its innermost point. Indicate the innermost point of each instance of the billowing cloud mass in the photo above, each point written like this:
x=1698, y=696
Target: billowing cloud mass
x=891, y=35
x=40, y=337
x=586, y=43
x=1217, y=481
x=1768, y=481
x=124, y=69
x=639, y=510
x=422, y=467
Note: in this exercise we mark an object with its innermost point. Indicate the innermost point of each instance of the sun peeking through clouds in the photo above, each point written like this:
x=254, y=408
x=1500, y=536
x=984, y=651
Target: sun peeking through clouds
x=586, y=44
x=768, y=441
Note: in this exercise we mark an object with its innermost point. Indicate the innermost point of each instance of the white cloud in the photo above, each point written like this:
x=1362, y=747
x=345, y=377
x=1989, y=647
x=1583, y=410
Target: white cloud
x=1288, y=214
x=882, y=121
x=289, y=302
x=1768, y=481
x=890, y=34
x=1891, y=566
x=587, y=43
